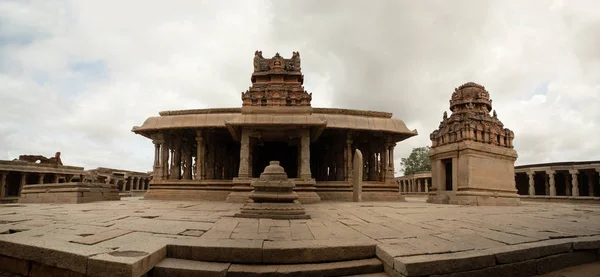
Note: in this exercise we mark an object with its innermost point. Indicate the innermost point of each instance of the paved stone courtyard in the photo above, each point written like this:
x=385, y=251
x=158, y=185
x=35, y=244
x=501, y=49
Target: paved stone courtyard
x=80, y=236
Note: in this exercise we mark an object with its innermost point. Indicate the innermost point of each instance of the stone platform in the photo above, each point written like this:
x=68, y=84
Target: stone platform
x=152, y=238
x=73, y=193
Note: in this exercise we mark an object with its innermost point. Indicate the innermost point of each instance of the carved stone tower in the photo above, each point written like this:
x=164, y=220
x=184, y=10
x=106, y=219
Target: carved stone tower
x=276, y=82
x=472, y=153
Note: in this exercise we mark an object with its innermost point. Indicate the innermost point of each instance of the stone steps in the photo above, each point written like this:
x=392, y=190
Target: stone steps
x=270, y=252
x=182, y=268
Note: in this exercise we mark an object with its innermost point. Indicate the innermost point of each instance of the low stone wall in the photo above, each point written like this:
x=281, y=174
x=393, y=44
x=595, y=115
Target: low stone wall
x=527, y=259
x=562, y=199
x=73, y=193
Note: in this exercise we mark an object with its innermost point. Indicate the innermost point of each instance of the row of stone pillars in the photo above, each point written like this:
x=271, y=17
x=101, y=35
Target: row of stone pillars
x=414, y=185
x=571, y=188
x=56, y=178
x=135, y=183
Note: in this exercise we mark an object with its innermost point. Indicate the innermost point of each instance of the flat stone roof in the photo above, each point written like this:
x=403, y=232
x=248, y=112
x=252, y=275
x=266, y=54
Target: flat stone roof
x=410, y=236
x=330, y=117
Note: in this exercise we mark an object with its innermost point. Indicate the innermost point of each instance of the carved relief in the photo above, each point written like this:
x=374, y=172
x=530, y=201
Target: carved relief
x=471, y=105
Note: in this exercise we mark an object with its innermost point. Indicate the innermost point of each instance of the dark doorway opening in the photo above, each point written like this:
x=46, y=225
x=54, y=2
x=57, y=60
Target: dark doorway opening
x=448, y=173
x=286, y=154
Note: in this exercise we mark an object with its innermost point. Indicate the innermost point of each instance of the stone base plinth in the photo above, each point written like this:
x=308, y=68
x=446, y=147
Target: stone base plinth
x=273, y=211
x=474, y=198
x=240, y=191
x=307, y=192
x=68, y=193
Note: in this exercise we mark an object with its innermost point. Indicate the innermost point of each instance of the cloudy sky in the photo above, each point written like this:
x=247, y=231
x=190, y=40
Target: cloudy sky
x=76, y=76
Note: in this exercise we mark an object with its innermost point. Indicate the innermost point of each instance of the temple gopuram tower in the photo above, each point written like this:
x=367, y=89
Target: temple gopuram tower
x=472, y=153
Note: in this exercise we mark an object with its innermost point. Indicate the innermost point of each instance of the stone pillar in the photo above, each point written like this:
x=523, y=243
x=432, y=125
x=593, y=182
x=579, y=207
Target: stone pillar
x=164, y=162
x=551, y=182
x=41, y=179
x=348, y=159
x=575, y=181
x=531, y=175
x=567, y=185
x=55, y=180
x=357, y=179
x=23, y=182
x=244, y=171
x=391, y=170
x=124, y=186
x=427, y=185
x=200, y=175
x=176, y=169
x=157, y=167
x=305, y=173
x=3, y=184
x=69, y=178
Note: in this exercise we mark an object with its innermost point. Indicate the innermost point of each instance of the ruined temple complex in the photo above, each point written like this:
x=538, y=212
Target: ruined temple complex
x=216, y=153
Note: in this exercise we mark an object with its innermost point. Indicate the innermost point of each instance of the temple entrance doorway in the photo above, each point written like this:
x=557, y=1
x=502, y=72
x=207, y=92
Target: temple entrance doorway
x=448, y=174
x=267, y=151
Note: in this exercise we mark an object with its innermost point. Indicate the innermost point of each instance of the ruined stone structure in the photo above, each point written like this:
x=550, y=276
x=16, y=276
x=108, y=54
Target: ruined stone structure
x=273, y=196
x=30, y=170
x=215, y=154
x=129, y=183
x=472, y=153
x=560, y=180
x=418, y=182
x=33, y=169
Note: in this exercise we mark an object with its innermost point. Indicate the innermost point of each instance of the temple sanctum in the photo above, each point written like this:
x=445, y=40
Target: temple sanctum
x=214, y=154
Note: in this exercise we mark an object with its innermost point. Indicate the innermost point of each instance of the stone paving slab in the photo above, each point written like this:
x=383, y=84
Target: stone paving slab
x=406, y=233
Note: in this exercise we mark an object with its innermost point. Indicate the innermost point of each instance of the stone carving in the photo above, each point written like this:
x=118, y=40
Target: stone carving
x=470, y=120
x=43, y=160
x=358, y=176
x=276, y=82
x=273, y=196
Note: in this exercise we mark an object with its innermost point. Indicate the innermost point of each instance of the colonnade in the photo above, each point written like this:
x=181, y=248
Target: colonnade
x=11, y=182
x=557, y=182
x=415, y=183
x=335, y=155
x=179, y=156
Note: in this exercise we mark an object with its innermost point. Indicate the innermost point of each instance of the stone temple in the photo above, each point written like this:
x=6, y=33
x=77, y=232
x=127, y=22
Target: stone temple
x=215, y=154
x=472, y=155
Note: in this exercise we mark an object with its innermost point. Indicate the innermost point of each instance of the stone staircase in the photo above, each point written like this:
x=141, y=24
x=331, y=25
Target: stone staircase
x=328, y=258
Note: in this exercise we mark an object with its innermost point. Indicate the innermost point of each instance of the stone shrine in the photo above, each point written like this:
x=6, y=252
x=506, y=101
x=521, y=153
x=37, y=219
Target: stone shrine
x=273, y=196
x=472, y=154
x=215, y=154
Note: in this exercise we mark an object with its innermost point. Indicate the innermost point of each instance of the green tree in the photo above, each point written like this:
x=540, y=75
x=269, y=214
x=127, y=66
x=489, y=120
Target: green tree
x=417, y=161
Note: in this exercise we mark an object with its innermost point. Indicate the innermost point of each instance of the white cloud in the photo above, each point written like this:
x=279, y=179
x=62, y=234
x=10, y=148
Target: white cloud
x=77, y=75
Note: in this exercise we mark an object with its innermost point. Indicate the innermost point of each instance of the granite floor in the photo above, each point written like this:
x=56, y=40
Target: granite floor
x=401, y=228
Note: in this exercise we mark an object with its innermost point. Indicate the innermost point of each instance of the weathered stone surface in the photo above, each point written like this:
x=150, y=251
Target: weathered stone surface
x=344, y=268
x=185, y=268
x=584, y=243
x=214, y=250
x=527, y=251
x=13, y=265
x=280, y=252
x=560, y=261
x=443, y=263
x=91, y=240
x=42, y=270
x=519, y=269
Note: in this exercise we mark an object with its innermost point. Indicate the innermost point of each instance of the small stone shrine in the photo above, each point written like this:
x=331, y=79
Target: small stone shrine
x=273, y=196
x=472, y=155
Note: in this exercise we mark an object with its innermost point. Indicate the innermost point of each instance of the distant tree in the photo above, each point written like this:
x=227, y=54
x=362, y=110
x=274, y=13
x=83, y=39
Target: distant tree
x=417, y=161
